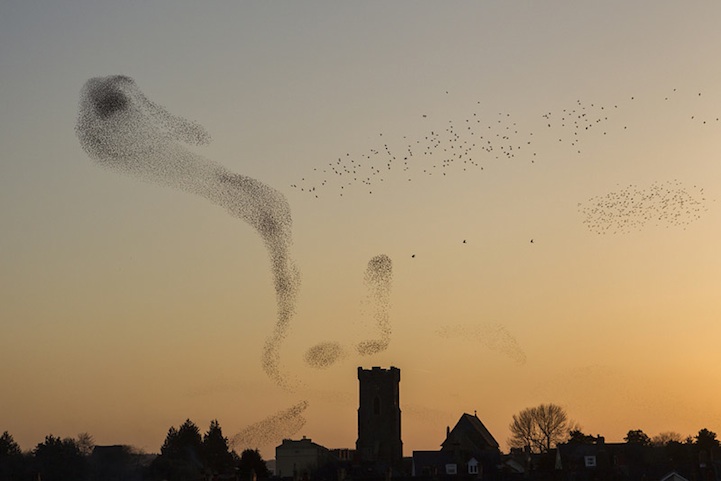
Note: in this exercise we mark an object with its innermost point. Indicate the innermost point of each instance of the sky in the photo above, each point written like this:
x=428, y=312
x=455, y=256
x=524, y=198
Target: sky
x=539, y=180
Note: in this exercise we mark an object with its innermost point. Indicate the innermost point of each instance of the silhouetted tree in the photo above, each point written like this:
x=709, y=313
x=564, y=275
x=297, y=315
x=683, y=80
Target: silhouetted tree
x=251, y=462
x=181, y=455
x=540, y=427
x=524, y=432
x=706, y=440
x=188, y=441
x=11, y=458
x=679, y=453
x=216, y=454
x=637, y=436
x=85, y=443
x=577, y=437
x=8, y=446
x=59, y=459
x=662, y=439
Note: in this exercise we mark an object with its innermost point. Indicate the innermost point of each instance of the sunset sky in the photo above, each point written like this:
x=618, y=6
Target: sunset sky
x=574, y=260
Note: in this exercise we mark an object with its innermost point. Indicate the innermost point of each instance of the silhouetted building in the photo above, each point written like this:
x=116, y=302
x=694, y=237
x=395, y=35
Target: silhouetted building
x=117, y=463
x=469, y=435
x=300, y=459
x=632, y=461
x=468, y=452
x=379, y=418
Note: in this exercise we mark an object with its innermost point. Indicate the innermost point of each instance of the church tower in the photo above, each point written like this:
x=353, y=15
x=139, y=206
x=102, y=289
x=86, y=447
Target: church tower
x=379, y=416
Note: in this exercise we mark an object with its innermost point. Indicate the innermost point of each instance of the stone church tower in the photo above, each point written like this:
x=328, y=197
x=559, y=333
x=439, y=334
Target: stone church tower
x=379, y=417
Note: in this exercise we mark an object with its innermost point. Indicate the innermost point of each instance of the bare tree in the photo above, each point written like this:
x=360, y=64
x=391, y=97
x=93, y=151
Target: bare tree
x=662, y=439
x=524, y=431
x=85, y=443
x=552, y=422
x=540, y=428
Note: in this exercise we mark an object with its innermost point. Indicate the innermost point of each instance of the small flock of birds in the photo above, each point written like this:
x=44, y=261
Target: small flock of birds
x=662, y=204
x=458, y=146
x=324, y=354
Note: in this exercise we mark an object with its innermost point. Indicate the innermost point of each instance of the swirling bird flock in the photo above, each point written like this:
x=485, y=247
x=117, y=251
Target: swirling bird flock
x=281, y=425
x=378, y=278
x=122, y=130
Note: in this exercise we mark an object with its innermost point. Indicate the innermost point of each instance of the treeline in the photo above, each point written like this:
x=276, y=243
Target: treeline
x=186, y=455
x=543, y=427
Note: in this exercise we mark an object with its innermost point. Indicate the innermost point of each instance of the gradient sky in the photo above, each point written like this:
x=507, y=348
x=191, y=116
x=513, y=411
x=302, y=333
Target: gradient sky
x=126, y=307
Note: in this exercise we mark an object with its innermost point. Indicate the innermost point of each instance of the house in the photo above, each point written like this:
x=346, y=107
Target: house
x=299, y=459
x=625, y=461
x=469, y=435
x=468, y=452
x=581, y=461
x=433, y=464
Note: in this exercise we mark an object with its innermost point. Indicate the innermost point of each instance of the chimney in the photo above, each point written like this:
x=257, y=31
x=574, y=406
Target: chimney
x=448, y=431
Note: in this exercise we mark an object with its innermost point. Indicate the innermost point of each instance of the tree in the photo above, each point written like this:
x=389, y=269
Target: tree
x=85, y=443
x=540, y=428
x=575, y=436
x=251, y=463
x=217, y=456
x=637, y=436
x=59, y=459
x=8, y=446
x=11, y=458
x=666, y=437
x=552, y=422
x=181, y=455
x=524, y=431
x=706, y=440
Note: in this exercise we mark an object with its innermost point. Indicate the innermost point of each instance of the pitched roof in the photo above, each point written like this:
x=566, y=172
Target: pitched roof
x=673, y=476
x=470, y=427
